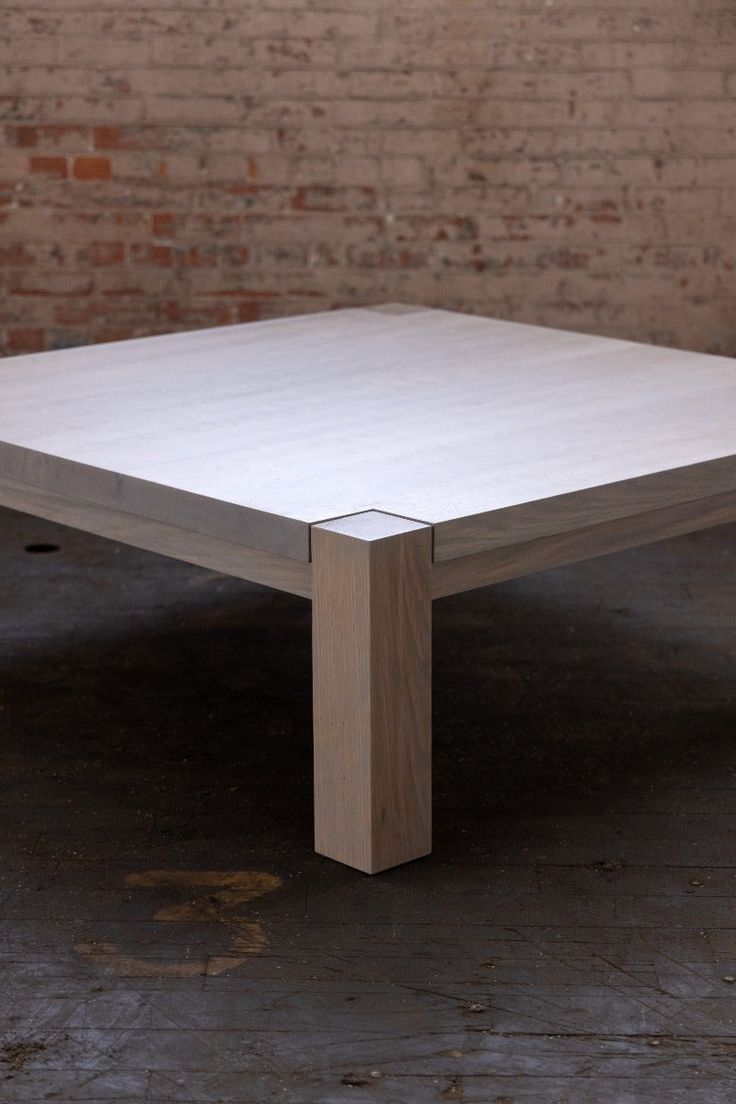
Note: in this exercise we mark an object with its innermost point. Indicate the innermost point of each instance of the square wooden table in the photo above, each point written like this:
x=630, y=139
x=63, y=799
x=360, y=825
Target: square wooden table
x=372, y=460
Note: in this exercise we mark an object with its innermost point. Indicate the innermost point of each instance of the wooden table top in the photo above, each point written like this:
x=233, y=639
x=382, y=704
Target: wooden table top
x=494, y=432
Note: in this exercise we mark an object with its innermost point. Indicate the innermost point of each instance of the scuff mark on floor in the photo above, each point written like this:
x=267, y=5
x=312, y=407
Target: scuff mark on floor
x=14, y=1055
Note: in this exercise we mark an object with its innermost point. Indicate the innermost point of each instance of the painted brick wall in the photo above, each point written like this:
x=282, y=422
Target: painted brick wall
x=173, y=165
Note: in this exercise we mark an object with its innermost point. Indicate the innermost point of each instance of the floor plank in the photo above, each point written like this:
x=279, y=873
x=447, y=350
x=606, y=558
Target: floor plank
x=167, y=935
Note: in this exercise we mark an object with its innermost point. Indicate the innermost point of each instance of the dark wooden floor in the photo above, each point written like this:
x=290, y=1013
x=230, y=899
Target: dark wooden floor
x=168, y=935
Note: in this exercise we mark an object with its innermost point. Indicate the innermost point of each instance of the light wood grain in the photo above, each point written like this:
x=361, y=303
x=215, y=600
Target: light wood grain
x=170, y=505
x=372, y=690
x=573, y=516
x=492, y=432
x=499, y=564
x=253, y=564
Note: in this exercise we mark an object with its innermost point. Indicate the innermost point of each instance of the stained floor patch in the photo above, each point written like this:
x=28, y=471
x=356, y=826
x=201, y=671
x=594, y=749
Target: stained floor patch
x=212, y=896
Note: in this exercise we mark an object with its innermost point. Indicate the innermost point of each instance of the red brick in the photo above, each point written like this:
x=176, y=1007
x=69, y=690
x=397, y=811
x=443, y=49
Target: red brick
x=112, y=333
x=49, y=166
x=249, y=312
x=92, y=168
x=75, y=314
x=236, y=254
x=104, y=253
x=163, y=224
x=25, y=340
x=185, y=313
x=15, y=254
x=56, y=135
x=325, y=198
x=26, y=136
x=160, y=255
x=108, y=137
x=197, y=256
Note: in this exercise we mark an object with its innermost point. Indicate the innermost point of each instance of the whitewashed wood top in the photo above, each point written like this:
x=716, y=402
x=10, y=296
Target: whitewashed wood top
x=494, y=432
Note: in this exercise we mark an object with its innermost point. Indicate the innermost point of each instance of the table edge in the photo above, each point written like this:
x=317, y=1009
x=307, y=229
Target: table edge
x=579, y=510
x=136, y=497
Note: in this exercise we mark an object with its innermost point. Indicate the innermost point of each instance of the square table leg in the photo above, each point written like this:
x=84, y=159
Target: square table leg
x=372, y=613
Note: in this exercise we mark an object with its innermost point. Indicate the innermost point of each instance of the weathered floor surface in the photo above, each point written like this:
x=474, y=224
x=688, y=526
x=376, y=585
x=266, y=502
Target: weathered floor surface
x=168, y=935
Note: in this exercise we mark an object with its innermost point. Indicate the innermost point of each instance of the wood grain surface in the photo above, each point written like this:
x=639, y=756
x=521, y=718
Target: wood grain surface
x=371, y=656
x=238, y=560
x=497, y=564
x=492, y=432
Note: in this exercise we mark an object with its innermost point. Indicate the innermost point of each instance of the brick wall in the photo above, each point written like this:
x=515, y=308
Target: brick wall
x=173, y=165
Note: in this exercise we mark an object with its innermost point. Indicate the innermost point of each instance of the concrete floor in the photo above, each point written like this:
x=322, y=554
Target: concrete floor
x=168, y=935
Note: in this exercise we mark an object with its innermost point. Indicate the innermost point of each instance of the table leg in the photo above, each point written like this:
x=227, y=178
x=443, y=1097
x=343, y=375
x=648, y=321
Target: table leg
x=371, y=608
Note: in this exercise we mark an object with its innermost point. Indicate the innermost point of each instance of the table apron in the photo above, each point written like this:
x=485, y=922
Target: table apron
x=226, y=557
